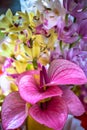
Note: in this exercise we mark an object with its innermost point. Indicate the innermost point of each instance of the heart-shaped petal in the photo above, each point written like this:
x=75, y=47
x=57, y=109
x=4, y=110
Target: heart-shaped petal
x=65, y=72
x=13, y=111
x=32, y=93
x=54, y=114
x=74, y=104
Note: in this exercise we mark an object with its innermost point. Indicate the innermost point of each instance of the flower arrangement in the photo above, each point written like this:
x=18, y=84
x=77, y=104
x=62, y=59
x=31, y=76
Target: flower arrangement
x=45, y=66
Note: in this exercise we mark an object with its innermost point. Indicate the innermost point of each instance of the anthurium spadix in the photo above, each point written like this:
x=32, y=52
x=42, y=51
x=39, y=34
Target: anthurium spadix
x=50, y=104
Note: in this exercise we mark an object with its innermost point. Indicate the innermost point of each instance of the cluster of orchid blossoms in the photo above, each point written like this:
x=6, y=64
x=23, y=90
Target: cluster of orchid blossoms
x=45, y=70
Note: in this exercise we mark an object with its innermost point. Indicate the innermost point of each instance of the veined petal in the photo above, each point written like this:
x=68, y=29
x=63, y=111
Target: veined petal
x=30, y=72
x=54, y=116
x=13, y=111
x=74, y=104
x=66, y=4
x=31, y=91
x=65, y=72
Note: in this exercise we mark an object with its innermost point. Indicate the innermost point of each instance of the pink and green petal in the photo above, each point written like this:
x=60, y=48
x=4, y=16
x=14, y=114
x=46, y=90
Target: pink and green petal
x=54, y=114
x=13, y=111
x=65, y=72
x=74, y=104
x=32, y=93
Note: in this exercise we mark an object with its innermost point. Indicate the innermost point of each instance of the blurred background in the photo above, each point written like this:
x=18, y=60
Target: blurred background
x=14, y=5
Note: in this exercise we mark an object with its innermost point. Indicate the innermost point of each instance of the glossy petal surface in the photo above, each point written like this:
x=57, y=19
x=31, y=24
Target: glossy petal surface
x=13, y=111
x=65, y=72
x=53, y=115
x=74, y=104
x=32, y=93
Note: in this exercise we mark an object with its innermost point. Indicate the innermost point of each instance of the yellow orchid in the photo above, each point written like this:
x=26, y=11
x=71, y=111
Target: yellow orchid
x=35, y=49
x=52, y=39
x=6, y=50
x=27, y=19
x=7, y=21
x=17, y=67
x=20, y=66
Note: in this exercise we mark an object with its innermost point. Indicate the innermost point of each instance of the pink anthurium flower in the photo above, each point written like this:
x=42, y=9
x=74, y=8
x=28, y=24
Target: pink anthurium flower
x=61, y=72
x=50, y=104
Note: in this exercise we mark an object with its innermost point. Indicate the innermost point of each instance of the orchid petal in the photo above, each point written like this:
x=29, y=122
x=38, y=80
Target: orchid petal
x=65, y=72
x=32, y=93
x=13, y=111
x=53, y=116
x=74, y=104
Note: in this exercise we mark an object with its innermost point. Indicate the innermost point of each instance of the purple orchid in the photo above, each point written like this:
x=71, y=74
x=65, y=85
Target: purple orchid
x=50, y=104
x=81, y=31
x=76, y=8
x=67, y=32
x=56, y=54
x=79, y=57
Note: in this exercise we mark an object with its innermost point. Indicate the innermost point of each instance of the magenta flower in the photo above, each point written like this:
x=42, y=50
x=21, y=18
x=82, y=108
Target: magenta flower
x=7, y=64
x=40, y=30
x=50, y=104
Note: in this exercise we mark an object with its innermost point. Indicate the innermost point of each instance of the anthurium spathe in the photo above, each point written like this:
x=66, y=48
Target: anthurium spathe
x=49, y=103
x=56, y=109
x=14, y=111
x=63, y=72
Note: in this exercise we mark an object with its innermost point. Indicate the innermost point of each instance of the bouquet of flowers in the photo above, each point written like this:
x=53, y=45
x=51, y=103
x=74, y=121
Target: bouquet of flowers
x=44, y=75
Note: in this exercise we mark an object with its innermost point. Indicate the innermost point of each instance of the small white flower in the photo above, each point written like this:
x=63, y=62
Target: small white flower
x=5, y=84
x=27, y=5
